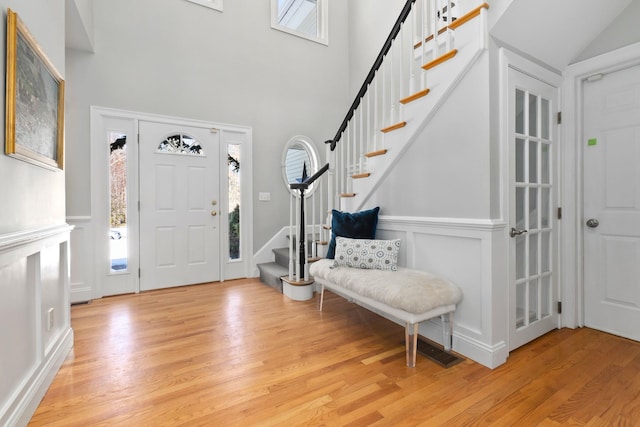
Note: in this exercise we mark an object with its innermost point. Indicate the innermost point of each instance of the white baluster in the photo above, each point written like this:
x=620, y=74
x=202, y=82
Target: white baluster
x=313, y=223
x=291, y=250
x=297, y=240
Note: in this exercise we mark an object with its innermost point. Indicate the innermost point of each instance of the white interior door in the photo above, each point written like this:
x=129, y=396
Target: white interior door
x=179, y=202
x=532, y=139
x=611, y=225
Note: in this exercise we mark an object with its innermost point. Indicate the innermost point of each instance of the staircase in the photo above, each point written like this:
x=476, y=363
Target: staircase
x=432, y=46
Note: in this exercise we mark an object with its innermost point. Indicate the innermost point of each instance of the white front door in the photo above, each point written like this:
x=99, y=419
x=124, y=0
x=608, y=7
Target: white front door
x=179, y=203
x=533, y=294
x=611, y=224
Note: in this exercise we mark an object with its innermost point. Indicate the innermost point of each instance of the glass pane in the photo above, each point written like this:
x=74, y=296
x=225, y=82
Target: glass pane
x=520, y=169
x=533, y=161
x=545, y=296
x=233, y=161
x=545, y=173
x=545, y=207
x=533, y=301
x=545, y=252
x=520, y=220
x=533, y=115
x=117, y=201
x=180, y=144
x=299, y=15
x=521, y=256
x=533, y=254
x=545, y=118
x=521, y=303
x=519, y=111
x=533, y=209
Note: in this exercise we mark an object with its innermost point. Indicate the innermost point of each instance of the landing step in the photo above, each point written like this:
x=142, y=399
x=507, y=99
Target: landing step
x=270, y=273
x=456, y=23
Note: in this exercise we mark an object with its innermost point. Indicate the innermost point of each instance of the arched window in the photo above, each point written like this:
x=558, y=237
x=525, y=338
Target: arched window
x=180, y=144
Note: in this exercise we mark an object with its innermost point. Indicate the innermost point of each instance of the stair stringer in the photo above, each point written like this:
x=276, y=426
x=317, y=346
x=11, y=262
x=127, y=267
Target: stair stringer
x=418, y=114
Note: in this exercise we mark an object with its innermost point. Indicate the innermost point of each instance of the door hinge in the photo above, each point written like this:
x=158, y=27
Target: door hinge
x=559, y=213
x=559, y=117
x=559, y=307
x=139, y=273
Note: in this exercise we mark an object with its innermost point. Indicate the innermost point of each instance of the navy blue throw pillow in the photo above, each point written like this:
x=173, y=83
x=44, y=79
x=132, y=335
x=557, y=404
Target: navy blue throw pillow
x=358, y=225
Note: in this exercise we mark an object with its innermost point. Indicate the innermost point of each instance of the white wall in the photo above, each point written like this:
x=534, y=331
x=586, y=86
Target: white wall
x=177, y=58
x=32, y=196
x=445, y=173
x=623, y=31
x=369, y=27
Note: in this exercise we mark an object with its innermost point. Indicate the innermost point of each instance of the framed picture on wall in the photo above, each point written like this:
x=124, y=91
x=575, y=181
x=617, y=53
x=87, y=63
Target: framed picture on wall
x=34, y=100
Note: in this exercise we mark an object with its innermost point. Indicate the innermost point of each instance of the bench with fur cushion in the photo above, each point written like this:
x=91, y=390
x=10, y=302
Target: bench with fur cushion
x=411, y=296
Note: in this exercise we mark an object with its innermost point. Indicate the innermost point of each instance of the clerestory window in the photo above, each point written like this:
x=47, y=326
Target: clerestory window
x=302, y=18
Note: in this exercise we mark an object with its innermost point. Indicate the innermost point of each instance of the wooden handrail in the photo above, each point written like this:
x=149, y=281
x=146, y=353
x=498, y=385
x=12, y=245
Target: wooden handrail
x=406, y=10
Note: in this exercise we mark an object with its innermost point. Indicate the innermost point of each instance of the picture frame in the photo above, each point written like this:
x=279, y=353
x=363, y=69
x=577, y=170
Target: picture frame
x=34, y=100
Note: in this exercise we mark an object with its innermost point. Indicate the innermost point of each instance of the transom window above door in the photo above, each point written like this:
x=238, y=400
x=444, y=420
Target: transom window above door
x=302, y=18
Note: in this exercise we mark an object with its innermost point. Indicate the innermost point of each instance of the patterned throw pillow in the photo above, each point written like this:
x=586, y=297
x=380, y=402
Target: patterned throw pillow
x=368, y=254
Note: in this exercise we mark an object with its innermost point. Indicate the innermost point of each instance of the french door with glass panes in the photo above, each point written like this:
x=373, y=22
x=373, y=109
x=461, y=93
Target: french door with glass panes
x=532, y=224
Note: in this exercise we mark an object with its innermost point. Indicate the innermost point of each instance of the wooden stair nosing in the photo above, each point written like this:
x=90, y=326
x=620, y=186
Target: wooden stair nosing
x=468, y=16
x=399, y=125
x=376, y=153
x=455, y=24
x=415, y=96
x=361, y=175
x=346, y=195
x=439, y=60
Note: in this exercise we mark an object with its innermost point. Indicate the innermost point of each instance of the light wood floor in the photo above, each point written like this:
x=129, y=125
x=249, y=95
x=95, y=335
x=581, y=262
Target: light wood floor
x=239, y=353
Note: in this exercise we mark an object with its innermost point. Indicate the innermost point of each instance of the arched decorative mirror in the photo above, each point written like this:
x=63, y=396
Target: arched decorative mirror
x=299, y=159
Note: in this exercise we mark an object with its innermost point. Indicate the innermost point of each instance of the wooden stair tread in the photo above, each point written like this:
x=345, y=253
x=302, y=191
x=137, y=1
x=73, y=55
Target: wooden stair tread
x=393, y=127
x=415, y=96
x=376, y=153
x=439, y=60
x=348, y=195
x=455, y=24
x=361, y=175
x=322, y=242
x=468, y=16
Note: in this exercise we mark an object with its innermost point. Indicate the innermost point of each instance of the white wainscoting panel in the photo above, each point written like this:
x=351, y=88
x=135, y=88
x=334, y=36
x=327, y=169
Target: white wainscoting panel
x=34, y=309
x=472, y=254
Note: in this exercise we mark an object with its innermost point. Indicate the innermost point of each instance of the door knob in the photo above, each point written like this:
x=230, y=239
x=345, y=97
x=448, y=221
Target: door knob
x=214, y=213
x=515, y=232
x=593, y=223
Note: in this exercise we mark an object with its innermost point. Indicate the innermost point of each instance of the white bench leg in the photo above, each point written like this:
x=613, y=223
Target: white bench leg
x=411, y=343
x=447, y=330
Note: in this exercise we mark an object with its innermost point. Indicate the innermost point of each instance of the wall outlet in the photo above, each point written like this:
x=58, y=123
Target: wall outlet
x=50, y=319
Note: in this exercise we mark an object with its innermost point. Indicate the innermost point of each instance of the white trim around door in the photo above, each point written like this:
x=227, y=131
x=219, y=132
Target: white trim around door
x=233, y=138
x=572, y=166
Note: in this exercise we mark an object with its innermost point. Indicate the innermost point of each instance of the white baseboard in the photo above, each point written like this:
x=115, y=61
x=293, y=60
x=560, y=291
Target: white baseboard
x=26, y=401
